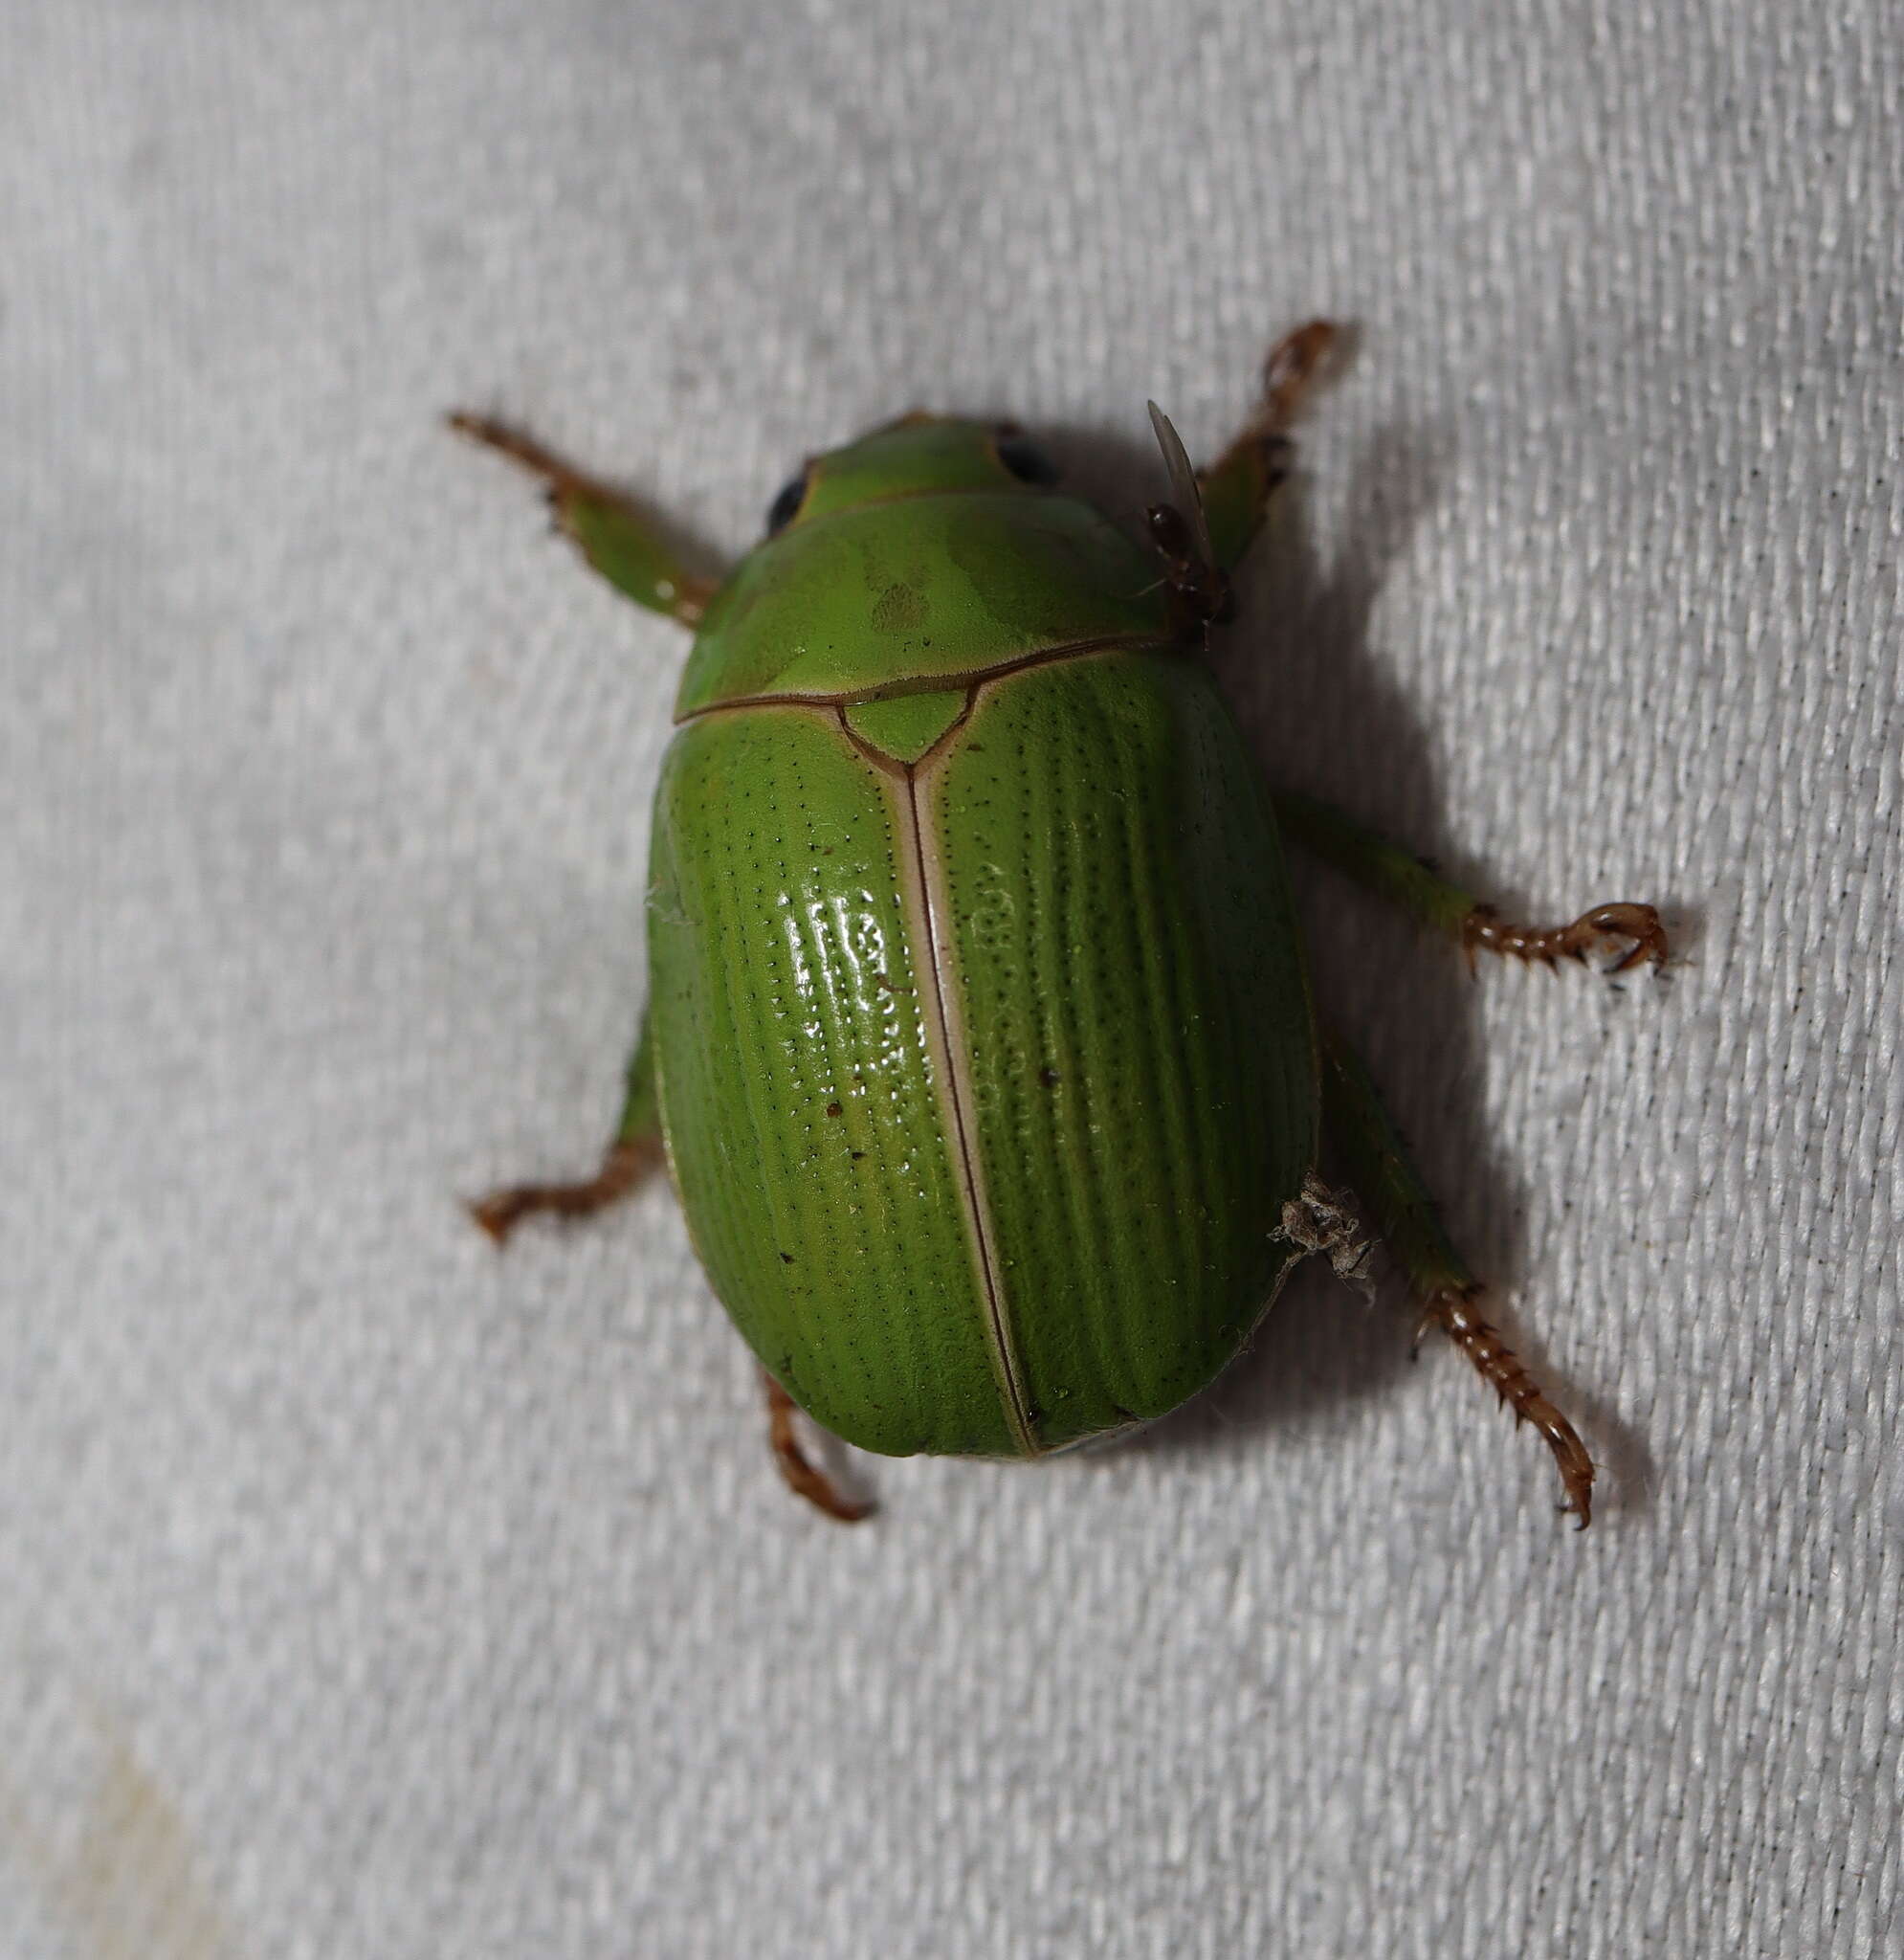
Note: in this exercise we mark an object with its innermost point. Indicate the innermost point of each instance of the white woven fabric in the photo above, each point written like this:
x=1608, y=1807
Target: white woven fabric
x=361, y=1593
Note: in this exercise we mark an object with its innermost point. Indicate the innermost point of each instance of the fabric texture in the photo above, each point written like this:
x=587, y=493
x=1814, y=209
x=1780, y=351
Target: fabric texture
x=365, y=1594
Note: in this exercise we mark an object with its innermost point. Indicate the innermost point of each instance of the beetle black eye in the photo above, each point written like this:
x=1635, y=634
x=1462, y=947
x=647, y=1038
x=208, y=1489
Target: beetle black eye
x=786, y=507
x=1026, y=459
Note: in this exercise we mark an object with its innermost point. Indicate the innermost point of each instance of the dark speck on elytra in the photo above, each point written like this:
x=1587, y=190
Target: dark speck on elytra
x=1050, y=1077
x=787, y=1257
x=833, y=1109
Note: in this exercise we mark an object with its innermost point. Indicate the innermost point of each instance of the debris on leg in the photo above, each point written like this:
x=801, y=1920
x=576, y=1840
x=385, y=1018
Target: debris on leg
x=1323, y=1220
x=623, y=1166
x=1452, y=1310
x=803, y=1476
x=1485, y=930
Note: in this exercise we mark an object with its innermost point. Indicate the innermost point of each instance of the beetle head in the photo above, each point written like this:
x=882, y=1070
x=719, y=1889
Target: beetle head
x=913, y=456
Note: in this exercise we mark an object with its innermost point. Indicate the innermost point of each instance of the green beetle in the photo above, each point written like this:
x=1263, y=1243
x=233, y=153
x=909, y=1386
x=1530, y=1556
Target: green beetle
x=978, y=1042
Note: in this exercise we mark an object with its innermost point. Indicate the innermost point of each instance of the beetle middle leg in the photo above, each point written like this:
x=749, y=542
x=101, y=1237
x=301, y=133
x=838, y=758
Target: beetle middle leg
x=634, y=1152
x=1377, y=1159
x=1383, y=867
x=618, y=538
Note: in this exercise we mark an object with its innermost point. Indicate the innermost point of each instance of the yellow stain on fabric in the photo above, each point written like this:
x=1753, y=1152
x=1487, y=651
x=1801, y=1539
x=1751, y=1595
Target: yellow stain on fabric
x=123, y=1885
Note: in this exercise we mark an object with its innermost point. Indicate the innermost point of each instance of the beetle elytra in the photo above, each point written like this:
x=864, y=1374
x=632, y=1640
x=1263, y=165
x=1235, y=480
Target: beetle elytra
x=978, y=1042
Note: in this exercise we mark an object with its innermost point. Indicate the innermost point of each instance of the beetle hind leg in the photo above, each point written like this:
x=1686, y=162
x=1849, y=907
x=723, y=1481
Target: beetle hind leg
x=804, y=1477
x=1387, y=1183
x=1451, y=1309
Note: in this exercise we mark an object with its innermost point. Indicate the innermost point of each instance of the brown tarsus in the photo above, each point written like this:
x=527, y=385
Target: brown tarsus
x=1296, y=364
x=1452, y=1310
x=1484, y=930
x=802, y=1474
x=622, y=1168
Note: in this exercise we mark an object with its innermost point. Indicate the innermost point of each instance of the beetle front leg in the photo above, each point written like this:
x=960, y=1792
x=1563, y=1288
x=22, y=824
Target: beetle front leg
x=1237, y=487
x=635, y=1151
x=1385, y=1180
x=1400, y=878
x=620, y=540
